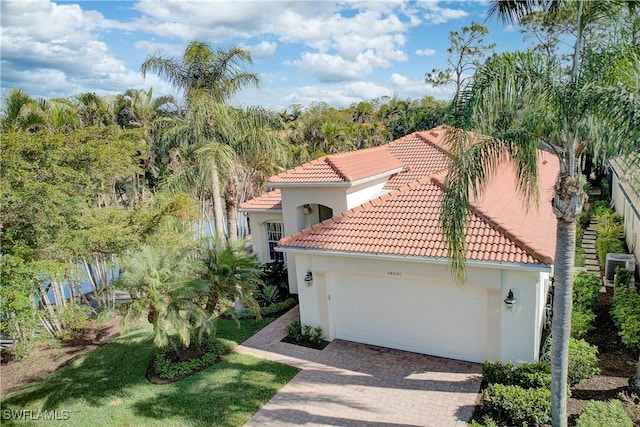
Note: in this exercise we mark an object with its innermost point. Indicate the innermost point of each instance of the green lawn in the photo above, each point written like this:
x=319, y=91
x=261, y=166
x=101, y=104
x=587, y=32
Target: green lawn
x=108, y=387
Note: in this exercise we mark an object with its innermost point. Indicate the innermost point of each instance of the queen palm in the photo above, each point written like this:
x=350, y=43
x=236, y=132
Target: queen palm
x=202, y=70
x=523, y=101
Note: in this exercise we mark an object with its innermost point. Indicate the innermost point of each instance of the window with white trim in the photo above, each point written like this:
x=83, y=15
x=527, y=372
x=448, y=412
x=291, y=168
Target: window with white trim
x=274, y=234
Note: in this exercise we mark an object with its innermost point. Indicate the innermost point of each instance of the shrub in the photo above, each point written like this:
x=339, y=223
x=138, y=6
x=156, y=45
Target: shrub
x=583, y=220
x=277, y=307
x=275, y=273
x=74, y=318
x=600, y=207
x=623, y=277
x=583, y=360
x=528, y=375
x=298, y=332
x=609, y=222
x=580, y=256
x=581, y=321
x=625, y=312
x=269, y=294
x=604, y=187
x=294, y=330
x=486, y=422
x=586, y=288
x=607, y=243
x=597, y=414
x=514, y=405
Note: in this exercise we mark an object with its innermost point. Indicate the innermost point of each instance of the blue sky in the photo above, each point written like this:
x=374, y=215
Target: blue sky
x=303, y=52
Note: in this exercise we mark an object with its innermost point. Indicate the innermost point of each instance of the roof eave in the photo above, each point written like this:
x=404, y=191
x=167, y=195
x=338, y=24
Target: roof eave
x=411, y=258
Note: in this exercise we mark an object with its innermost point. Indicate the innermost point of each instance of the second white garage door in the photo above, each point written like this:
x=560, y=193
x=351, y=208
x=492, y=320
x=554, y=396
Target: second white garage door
x=410, y=314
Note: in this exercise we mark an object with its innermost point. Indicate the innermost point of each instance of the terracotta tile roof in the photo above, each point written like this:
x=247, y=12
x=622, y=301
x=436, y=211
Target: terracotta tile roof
x=268, y=201
x=345, y=167
x=406, y=222
x=421, y=154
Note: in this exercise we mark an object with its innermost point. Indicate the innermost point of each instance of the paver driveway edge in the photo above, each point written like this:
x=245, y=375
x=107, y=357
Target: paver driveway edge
x=352, y=384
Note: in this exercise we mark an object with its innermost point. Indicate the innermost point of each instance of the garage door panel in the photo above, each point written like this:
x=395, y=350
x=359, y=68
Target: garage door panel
x=413, y=315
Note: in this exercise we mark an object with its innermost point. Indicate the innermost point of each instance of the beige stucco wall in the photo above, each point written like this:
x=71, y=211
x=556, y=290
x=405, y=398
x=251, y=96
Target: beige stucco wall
x=624, y=203
x=258, y=232
x=511, y=335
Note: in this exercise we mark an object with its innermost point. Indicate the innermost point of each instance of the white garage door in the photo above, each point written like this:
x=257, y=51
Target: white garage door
x=413, y=315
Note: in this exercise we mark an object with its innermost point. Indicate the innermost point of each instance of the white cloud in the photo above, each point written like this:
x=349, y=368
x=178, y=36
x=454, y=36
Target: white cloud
x=53, y=50
x=425, y=52
x=440, y=15
x=262, y=50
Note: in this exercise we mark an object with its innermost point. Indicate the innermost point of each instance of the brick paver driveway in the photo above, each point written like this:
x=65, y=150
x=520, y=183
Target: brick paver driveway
x=350, y=384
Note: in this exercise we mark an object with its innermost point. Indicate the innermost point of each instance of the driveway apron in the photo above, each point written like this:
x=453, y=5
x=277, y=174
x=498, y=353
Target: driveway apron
x=352, y=384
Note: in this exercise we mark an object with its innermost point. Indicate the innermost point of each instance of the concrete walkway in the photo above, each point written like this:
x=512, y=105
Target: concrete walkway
x=350, y=384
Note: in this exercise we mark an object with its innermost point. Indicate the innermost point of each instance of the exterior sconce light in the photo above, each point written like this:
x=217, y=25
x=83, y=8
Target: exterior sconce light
x=308, y=278
x=306, y=209
x=510, y=300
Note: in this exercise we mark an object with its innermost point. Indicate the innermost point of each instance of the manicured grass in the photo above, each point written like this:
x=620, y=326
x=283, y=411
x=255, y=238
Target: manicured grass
x=108, y=387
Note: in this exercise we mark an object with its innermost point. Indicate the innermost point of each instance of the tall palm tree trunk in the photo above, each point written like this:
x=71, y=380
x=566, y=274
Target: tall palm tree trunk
x=561, y=324
x=567, y=204
x=230, y=196
x=218, y=210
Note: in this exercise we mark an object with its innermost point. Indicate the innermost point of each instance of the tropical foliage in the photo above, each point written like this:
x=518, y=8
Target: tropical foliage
x=523, y=101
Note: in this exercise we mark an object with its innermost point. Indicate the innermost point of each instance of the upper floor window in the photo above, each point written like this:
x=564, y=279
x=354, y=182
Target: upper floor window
x=274, y=234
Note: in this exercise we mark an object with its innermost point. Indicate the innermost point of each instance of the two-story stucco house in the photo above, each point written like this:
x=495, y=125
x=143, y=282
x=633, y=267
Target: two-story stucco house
x=361, y=237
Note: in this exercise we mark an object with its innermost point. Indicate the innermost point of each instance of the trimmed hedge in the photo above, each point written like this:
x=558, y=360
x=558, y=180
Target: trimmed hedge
x=277, y=307
x=581, y=321
x=514, y=405
x=625, y=312
x=607, y=243
x=583, y=360
x=586, y=288
x=528, y=375
x=598, y=414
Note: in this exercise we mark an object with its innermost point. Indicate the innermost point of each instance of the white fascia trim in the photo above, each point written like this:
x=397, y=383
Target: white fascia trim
x=431, y=260
x=342, y=184
x=248, y=211
x=345, y=184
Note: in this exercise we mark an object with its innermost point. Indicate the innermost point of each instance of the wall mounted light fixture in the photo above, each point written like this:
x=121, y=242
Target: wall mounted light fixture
x=308, y=278
x=306, y=209
x=510, y=300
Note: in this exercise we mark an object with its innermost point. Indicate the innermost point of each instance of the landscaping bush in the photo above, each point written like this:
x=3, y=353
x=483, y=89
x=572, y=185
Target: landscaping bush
x=607, y=243
x=609, y=222
x=625, y=312
x=294, y=330
x=269, y=294
x=581, y=321
x=528, y=375
x=583, y=360
x=583, y=220
x=580, y=256
x=600, y=207
x=300, y=333
x=598, y=414
x=514, y=405
x=275, y=273
x=277, y=307
x=586, y=288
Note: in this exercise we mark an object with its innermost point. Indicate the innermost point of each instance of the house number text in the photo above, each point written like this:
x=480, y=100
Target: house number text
x=394, y=273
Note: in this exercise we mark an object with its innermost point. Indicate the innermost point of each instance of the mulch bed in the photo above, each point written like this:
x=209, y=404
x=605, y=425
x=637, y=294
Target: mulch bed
x=617, y=364
x=315, y=345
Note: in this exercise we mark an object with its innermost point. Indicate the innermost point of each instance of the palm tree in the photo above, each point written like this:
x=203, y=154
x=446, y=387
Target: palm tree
x=165, y=288
x=208, y=78
x=217, y=73
x=522, y=101
x=231, y=274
